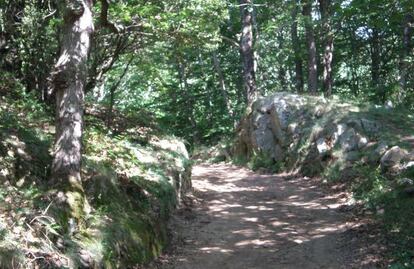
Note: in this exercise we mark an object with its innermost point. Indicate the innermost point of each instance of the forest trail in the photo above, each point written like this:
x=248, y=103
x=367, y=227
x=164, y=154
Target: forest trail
x=248, y=220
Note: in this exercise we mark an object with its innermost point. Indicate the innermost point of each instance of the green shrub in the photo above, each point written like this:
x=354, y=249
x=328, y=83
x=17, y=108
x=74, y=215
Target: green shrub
x=264, y=160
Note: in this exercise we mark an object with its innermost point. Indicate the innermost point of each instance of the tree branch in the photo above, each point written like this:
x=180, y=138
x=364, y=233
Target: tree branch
x=231, y=41
x=105, y=22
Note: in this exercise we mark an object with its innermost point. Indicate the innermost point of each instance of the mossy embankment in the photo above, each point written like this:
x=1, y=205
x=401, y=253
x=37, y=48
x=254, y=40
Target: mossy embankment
x=132, y=180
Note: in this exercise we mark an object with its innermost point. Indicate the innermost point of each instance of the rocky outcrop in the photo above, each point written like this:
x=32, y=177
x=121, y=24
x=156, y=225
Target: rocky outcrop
x=308, y=134
x=392, y=158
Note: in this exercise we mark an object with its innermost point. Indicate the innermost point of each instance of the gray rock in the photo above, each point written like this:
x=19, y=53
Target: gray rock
x=406, y=167
x=405, y=182
x=301, y=129
x=263, y=136
x=376, y=154
x=389, y=105
x=354, y=123
x=350, y=140
x=322, y=147
x=409, y=165
x=340, y=129
x=409, y=191
x=293, y=128
x=273, y=123
x=319, y=111
x=362, y=142
x=353, y=156
x=369, y=126
x=381, y=149
x=392, y=158
x=85, y=258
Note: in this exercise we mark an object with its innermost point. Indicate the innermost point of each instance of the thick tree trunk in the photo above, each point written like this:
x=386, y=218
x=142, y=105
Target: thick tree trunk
x=296, y=48
x=325, y=8
x=311, y=43
x=408, y=26
x=222, y=81
x=69, y=78
x=246, y=51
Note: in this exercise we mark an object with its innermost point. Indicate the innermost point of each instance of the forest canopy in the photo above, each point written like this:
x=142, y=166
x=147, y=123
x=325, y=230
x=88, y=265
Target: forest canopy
x=163, y=56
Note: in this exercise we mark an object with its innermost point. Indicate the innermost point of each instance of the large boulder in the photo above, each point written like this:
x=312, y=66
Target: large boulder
x=351, y=140
x=270, y=125
x=392, y=158
x=308, y=133
x=311, y=134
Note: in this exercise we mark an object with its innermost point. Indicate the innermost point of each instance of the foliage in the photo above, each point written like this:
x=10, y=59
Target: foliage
x=130, y=184
x=261, y=160
x=174, y=67
x=392, y=206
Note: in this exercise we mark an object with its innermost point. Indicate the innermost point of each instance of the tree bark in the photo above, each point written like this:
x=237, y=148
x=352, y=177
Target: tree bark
x=354, y=83
x=296, y=48
x=247, y=52
x=222, y=81
x=311, y=43
x=326, y=13
x=375, y=62
x=189, y=102
x=112, y=90
x=282, y=70
x=408, y=26
x=68, y=83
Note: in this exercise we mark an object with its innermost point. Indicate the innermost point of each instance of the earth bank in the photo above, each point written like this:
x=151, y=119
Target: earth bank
x=132, y=181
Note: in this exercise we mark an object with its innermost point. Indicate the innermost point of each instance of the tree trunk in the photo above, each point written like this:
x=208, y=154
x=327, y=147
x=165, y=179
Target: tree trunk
x=256, y=38
x=352, y=55
x=189, y=102
x=3, y=46
x=246, y=51
x=223, y=88
x=296, y=49
x=112, y=90
x=310, y=40
x=325, y=8
x=68, y=83
x=408, y=26
x=282, y=70
x=375, y=63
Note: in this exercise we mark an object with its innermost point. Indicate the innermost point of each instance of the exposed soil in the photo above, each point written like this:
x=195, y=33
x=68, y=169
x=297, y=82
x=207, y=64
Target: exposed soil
x=248, y=220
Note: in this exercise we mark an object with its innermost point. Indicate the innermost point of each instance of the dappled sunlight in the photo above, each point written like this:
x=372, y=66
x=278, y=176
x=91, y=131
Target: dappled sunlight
x=216, y=249
x=245, y=214
x=255, y=242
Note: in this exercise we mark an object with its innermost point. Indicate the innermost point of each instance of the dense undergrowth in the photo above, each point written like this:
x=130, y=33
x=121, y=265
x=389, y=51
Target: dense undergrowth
x=132, y=181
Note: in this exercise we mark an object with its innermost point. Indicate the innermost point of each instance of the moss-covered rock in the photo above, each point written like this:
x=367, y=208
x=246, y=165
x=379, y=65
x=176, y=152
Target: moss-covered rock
x=311, y=134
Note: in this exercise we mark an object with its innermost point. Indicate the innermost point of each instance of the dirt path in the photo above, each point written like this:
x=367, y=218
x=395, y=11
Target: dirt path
x=252, y=221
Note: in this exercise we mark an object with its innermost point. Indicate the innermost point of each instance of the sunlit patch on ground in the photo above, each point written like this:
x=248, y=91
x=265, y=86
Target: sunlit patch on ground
x=248, y=220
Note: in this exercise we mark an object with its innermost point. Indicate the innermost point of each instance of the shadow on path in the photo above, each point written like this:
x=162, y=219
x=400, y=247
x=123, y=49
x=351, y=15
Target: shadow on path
x=247, y=220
